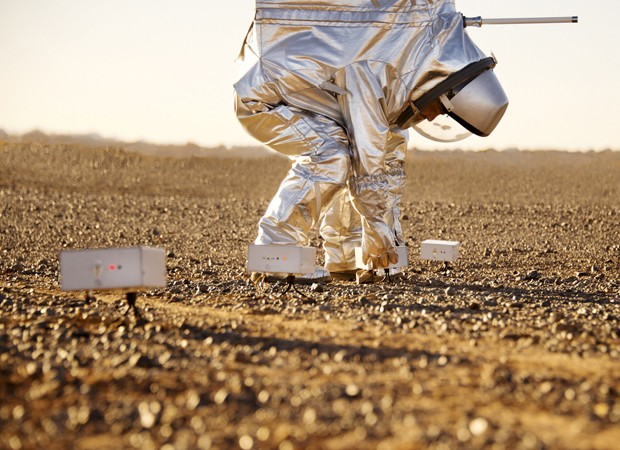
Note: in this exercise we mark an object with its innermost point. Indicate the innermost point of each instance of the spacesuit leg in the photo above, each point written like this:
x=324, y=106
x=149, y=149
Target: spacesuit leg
x=304, y=196
x=319, y=147
x=341, y=230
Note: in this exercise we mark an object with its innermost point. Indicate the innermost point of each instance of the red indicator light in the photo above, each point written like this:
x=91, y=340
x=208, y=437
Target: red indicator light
x=112, y=267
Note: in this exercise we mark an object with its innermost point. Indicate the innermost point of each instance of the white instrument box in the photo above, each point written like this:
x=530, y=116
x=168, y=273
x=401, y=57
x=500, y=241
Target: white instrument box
x=439, y=250
x=113, y=268
x=281, y=259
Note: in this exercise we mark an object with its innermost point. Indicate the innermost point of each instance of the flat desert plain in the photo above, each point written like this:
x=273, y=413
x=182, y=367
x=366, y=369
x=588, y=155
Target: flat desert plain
x=516, y=345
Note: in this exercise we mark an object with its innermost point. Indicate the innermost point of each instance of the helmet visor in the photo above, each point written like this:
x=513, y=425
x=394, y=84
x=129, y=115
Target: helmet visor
x=480, y=104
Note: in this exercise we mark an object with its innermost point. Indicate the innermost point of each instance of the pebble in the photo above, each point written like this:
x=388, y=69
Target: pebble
x=202, y=288
x=147, y=416
x=317, y=287
x=352, y=390
x=532, y=275
x=478, y=426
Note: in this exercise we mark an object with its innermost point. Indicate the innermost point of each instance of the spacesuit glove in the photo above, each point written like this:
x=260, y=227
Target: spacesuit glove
x=378, y=249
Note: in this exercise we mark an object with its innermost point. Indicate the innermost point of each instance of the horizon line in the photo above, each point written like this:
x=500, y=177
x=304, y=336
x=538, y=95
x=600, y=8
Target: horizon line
x=95, y=136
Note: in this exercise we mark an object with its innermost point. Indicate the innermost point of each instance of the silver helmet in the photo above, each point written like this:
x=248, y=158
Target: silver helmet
x=479, y=105
x=473, y=101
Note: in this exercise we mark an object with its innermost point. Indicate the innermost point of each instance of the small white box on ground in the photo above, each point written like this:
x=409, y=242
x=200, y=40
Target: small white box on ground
x=281, y=259
x=401, y=251
x=113, y=268
x=439, y=250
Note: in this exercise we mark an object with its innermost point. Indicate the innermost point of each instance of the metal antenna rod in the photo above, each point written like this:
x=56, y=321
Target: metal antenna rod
x=479, y=21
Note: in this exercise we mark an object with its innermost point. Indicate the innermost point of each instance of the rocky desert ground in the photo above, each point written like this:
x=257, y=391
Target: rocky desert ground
x=514, y=346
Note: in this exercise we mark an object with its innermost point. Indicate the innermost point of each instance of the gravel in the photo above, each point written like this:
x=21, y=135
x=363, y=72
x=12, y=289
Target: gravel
x=515, y=345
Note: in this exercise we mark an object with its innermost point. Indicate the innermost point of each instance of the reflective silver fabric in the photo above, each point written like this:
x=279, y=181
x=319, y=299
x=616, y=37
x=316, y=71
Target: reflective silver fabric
x=331, y=79
x=341, y=230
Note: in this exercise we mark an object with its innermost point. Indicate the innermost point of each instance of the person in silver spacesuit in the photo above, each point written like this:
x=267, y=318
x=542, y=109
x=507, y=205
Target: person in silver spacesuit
x=334, y=85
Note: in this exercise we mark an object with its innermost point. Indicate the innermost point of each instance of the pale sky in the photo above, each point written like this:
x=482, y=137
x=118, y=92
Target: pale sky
x=162, y=71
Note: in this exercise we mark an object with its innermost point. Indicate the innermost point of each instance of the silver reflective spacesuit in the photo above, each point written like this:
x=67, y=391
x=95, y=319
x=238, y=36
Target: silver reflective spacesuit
x=335, y=85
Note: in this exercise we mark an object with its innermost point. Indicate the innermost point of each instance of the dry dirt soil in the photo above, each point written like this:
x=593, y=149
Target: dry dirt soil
x=514, y=346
